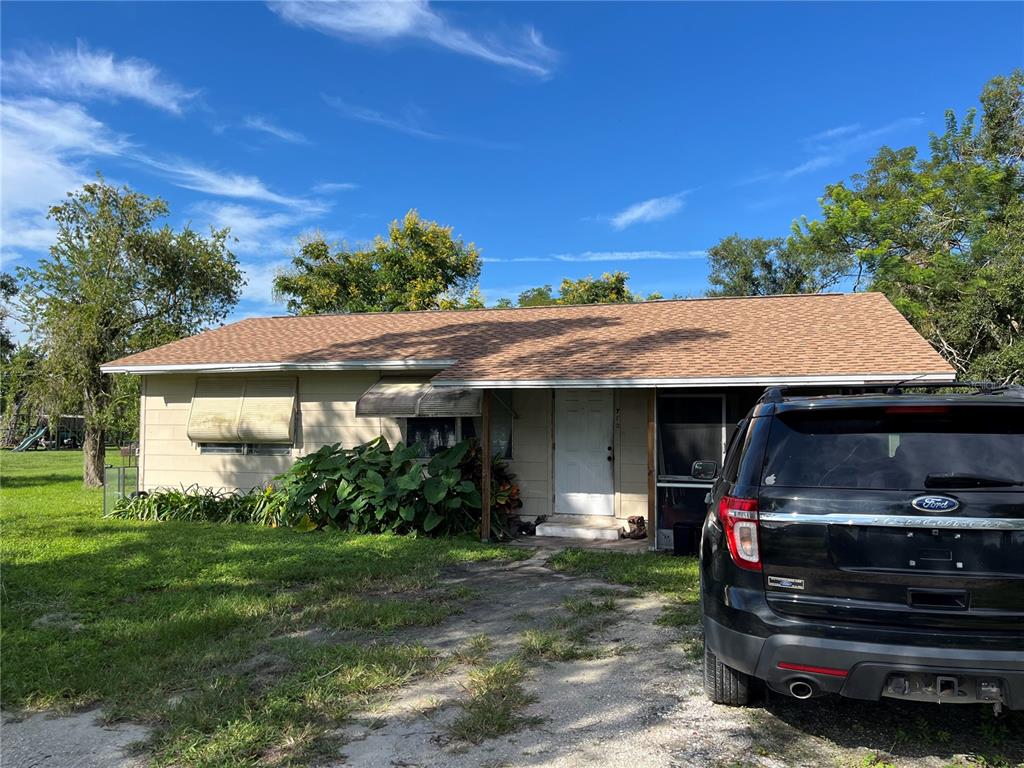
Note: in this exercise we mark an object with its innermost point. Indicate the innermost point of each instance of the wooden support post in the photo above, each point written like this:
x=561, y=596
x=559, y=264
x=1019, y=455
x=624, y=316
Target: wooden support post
x=652, y=469
x=485, y=461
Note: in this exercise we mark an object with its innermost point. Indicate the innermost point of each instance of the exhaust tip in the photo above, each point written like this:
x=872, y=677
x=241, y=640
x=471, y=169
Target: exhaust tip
x=801, y=689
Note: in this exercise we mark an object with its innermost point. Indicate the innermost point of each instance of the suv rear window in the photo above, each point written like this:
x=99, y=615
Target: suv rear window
x=898, y=447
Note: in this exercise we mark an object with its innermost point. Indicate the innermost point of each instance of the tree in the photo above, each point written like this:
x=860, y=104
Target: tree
x=759, y=266
x=8, y=290
x=537, y=297
x=419, y=266
x=114, y=284
x=610, y=288
x=943, y=236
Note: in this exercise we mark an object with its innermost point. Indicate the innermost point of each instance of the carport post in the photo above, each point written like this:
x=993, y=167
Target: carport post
x=485, y=466
x=652, y=470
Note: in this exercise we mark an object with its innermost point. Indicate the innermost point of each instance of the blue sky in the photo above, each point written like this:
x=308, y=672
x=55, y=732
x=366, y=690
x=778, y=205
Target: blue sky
x=563, y=139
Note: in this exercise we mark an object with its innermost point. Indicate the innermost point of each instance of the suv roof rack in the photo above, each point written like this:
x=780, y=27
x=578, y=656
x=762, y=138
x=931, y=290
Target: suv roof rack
x=779, y=394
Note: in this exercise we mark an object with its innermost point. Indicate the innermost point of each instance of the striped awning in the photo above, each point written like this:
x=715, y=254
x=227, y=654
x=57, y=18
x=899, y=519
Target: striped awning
x=410, y=397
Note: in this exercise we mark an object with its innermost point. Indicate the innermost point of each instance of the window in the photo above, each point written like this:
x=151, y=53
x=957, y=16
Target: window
x=439, y=433
x=435, y=434
x=900, y=447
x=222, y=448
x=246, y=449
x=690, y=428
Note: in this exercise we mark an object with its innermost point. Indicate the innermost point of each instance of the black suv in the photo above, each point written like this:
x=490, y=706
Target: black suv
x=869, y=545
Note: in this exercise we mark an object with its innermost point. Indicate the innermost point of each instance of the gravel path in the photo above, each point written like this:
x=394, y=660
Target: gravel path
x=639, y=704
x=73, y=741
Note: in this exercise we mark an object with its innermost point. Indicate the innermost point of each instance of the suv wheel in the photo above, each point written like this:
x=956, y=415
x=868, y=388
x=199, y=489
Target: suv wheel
x=723, y=684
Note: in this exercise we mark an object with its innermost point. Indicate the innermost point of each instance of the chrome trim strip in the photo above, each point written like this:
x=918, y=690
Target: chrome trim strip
x=896, y=521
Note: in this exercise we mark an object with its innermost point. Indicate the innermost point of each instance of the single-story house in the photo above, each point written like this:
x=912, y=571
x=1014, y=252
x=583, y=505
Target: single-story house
x=600, y=410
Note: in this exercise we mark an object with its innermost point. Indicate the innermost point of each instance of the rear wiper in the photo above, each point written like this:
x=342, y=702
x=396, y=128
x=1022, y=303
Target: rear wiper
x=954, y=480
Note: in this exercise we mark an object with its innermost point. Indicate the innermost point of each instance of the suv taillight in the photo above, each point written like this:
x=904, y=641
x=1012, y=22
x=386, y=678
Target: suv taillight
x=739, y=518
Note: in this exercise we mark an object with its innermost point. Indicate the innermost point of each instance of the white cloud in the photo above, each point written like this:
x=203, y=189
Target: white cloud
x=834, y=133
x=588, y=256
x=259, y=285
x=50, y=148
x=258, y=123
x=655, y=209
x=612, y=256
x=189, y=175
x=408, y=124
x=390, y=20
x=85, y=74
x=833, y=146
x=45, y=145
x=258, y=231
x=326, y=187
x=813, y=164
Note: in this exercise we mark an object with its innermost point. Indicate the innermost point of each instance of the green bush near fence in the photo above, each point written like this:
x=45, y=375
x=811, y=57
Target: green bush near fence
x=371, y=488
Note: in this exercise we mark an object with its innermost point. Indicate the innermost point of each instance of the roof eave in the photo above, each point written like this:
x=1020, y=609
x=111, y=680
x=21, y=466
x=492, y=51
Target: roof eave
x=837, y=380
x=333, y=365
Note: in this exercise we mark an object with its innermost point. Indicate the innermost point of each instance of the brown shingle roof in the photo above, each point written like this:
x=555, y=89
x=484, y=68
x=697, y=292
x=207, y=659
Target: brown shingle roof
x=779, y=336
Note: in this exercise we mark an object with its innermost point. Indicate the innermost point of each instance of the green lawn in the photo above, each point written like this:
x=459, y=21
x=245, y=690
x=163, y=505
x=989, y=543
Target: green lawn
x=195, y=628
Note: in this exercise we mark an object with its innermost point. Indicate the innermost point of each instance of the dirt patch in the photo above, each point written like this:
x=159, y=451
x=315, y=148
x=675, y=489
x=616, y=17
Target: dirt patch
x=66, y=622
x=640, y=701
x=80, y=740
x=262, y=670
x=632, y=695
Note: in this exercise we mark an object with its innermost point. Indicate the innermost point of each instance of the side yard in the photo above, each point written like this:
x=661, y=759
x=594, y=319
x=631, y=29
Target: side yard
x=232, y=645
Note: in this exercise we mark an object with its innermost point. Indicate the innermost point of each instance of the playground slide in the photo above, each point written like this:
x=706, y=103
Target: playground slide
x=31, y=440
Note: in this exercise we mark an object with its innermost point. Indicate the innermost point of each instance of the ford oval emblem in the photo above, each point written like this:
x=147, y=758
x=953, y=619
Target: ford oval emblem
x=935, y=504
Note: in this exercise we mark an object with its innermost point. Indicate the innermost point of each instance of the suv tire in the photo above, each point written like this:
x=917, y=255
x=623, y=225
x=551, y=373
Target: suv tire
x=723, y=684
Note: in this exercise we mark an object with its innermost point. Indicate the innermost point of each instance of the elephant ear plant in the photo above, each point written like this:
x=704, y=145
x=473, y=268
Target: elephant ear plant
x=373, y=489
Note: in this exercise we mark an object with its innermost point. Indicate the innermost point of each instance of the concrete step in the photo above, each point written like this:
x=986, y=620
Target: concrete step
x=572, y=527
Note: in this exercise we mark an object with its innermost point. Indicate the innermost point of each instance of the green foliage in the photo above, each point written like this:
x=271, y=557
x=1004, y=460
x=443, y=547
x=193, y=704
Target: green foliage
x=367, y=489
x=760, y=266
x=419, y=266
x=505, y=498
x=494, y=706
x=372, y=489
x=114, y=283
x=199, y=630
x=259, y=506
x=941, y=235
x=8, y=290
x=610, y=288
x=540, y=296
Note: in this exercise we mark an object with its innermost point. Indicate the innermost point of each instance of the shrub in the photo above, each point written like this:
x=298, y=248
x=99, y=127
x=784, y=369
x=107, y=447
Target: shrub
x=260, y=506
x=371, y=488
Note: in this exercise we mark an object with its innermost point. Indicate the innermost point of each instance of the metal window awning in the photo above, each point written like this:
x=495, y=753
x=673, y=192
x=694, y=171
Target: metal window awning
x=407, y=398
x=234, y=410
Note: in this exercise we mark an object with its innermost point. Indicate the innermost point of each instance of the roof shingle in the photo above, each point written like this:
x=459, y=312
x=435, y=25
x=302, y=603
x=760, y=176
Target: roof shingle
x=806, y=335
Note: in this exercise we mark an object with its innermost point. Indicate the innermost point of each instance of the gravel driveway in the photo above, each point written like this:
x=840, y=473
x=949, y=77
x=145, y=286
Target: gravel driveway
x=635, y=699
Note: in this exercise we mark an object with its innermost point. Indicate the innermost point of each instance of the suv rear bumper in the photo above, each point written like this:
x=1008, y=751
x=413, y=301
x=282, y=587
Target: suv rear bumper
x=867, y=666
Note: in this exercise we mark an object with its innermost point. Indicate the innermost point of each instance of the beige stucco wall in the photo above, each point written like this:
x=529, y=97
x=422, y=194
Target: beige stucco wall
x=326, y=414
x=631, y=452
x=531, y=449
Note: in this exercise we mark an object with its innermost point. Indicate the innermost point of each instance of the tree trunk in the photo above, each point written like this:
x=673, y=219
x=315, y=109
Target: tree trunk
x=95, y=400
x=93, y=455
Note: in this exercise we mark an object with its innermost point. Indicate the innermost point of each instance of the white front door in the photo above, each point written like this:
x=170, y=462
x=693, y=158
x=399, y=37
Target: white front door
x=583, y=452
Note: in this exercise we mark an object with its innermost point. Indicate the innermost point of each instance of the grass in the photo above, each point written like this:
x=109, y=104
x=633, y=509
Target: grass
x=650, y=572
x=494, y=706
x=677, y=578
x=570, y=637
x=186, y=626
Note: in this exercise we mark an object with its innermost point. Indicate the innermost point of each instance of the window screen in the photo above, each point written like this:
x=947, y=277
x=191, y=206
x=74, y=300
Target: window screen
x=434, y=434
x=689, y=430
